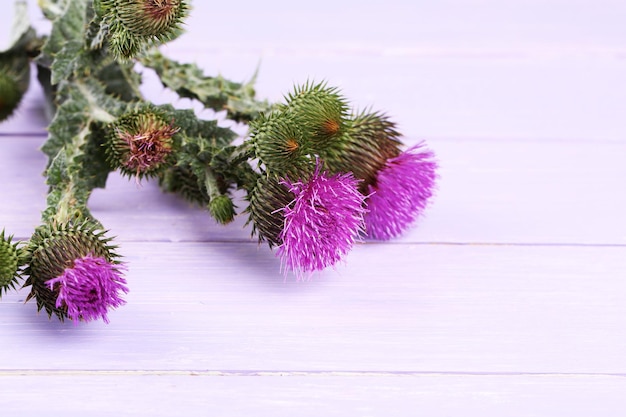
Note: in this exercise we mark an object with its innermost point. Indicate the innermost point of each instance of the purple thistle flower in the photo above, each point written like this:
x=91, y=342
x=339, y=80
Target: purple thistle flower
x=400, y=193
x=322, y=221
x=89, y=288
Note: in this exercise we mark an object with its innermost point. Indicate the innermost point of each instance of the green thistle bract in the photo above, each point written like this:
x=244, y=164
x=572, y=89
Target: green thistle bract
x=267, y=199
x=141, y=143
x=9, y=263
x=320, y=111
x=279, y=143
x=370, y=139
x=54, y=248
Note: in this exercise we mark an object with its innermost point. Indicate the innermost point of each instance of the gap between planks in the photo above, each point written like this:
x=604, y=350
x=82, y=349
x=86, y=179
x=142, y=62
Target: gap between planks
x=303, y=373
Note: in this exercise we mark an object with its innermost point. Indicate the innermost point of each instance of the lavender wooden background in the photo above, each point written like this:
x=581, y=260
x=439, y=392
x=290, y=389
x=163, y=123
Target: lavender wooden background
x=508, y=299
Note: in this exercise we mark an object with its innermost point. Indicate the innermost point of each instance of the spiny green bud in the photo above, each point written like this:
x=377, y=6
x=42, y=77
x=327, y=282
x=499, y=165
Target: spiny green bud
x=141, y=143
x=14, y=80
x=54, y=248
x=266, y=201
x=279, y=143
x=222, y=209
x=369, y=141
x=320, y=111
x=134, y=24
x=9, y=263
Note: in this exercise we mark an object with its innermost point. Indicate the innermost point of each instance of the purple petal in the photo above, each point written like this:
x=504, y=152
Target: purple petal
x=89, y=288
x=321, y=223
x=401, y=193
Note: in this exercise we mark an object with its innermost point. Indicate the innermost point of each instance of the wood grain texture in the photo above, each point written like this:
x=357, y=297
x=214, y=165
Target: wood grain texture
x=508, y=299
x=164, y=395
x=392, y=308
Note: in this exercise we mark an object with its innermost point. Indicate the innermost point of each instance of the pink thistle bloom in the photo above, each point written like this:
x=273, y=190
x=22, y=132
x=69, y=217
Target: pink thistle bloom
x=89, y=288
x=401, y=192
x=321, y=223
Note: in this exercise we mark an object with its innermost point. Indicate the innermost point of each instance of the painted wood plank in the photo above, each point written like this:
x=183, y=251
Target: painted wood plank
x=433, y=395
x=546, y=192
x=392, y=308
x=456, y=69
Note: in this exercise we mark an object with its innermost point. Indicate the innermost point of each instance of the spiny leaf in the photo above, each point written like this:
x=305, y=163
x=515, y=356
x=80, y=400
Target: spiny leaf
x=63, y=48
x=216, y=93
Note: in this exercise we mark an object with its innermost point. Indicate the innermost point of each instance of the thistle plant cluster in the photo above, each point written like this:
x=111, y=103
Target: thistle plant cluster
x=317, y=175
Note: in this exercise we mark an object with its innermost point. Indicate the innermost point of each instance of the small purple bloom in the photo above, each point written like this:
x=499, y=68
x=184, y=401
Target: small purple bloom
x=400, y=193
x=322, y=221
x=89, y=288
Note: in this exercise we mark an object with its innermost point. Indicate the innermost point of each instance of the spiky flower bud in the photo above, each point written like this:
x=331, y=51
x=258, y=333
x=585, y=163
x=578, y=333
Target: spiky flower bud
x=320, y=111
x=134, y=24
x=14, y=81
x=279, y=143
x=370, y=140
x=73, y=272
x=9, y=263
x=267, y=199
x=141, y=143
x=222, y=209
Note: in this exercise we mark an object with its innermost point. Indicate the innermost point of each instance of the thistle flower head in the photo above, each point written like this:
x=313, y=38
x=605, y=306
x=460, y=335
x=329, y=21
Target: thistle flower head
x=400, y=193
x=135, y=24
x=140, y=143
x=322, y=221
x=88, y=288
x=73, y=272
x=151, y=17
x=320, y=111
x=9, y=263
x=279, y=143
x=370, y=140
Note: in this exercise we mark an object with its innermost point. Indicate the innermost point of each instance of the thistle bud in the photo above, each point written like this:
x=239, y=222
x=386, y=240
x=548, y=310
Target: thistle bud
x=267, y=199
x=279, y=143
x=369, y=141
x=14, y=81
x=73, y=272
x=141, y=143
x=9, y=263
x=222, y=209
x=320, y=111
x=134, y=24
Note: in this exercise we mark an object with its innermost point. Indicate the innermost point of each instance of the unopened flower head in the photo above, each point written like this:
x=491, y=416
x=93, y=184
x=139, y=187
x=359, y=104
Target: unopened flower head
x=73, y=272
x=140, y=143
x=400, y=193
x=369, y=141
x=9, y=263
x=222, y=209
x=321, y=111
x=135, y=24
x=267, y=199
x=279, y=142
x=321, y=223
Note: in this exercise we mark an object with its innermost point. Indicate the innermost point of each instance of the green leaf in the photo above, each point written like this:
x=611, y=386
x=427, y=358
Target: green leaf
x=216, y=93
x=64, y=47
